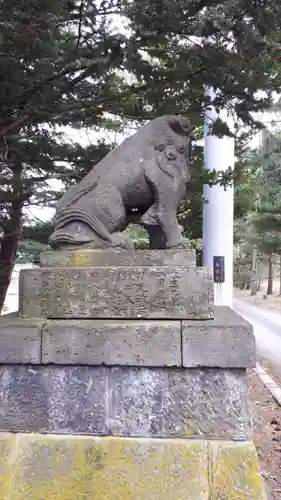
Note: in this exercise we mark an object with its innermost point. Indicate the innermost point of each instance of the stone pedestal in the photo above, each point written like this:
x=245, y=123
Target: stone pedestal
x=120, y=380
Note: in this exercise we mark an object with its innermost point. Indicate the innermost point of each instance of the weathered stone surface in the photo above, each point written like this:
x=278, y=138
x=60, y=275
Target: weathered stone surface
x=124, y=401
x=52, y=399
x=29, y=293
x=94, y=342
x=59, y=467
x=234, y=472
x=183, y=403
x=6, y=472
x=130, y=292
x=56, y=468
x=121, y=258
x=226, y=341
x=20, y=339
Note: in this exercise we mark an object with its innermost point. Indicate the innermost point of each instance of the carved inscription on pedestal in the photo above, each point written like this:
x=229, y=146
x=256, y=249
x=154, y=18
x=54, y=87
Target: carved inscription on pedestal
x=127, y=292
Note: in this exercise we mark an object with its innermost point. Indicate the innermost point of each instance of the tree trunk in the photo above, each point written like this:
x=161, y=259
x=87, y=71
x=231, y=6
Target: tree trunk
x=8, y=252
x=254, y=260
x=280, y=275
x=253, y=283
x=270, y=276
x=11, y=234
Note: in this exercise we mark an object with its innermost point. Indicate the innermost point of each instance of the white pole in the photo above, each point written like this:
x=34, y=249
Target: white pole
x=218, y=212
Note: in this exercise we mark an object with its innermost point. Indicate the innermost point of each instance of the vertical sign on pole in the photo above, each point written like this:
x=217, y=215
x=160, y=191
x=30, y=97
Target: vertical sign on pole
x=218, y=209
x=218, y=266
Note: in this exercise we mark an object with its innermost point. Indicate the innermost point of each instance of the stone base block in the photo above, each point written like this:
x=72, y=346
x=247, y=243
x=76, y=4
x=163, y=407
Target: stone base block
x=121, y=258
x=118, y=292
x=234, y=472
x=128, y=292
x=224, y=342
x=29, y=293
x=94, y=342
x=20, y=339
x=37, y=467
x=7, y=455
x=124, y=401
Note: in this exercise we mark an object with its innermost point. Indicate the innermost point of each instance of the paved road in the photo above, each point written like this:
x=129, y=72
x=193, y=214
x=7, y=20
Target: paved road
x=267, y=328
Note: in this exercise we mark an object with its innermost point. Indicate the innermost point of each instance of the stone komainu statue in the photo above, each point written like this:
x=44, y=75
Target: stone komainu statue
x=145, y=177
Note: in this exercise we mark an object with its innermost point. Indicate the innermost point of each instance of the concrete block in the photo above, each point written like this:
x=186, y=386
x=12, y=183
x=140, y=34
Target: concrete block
x=225, y=342
x=179, y=403
x=128, y=292
x=52, y=399
x=29, y=293
x=94, y=342
x=60, y=468
x=235, y=472
x=7, y=451
x=20, y=339
x=121, y=258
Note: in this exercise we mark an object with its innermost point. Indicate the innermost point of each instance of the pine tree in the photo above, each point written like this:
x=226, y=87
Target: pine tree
x=177, y=48
x=263, y=221
x=52, y=74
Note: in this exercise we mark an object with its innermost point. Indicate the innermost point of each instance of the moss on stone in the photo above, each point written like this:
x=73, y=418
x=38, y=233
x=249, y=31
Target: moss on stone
x=234, y=472
x=57, y=467
x=7, y=451
x=81, y=258
x=74, y=468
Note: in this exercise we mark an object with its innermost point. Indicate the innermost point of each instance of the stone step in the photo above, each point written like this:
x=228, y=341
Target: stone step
x=168, y=292
x=109, y=257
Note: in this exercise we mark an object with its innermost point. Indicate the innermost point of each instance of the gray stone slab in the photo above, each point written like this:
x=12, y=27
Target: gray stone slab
x=124, y=401
x=20, y=339
x=179, y=403
x=227, y=341
x=29, y=293
x=110, y=257
x=128, y=292
x=63, y=400
x=94, y=342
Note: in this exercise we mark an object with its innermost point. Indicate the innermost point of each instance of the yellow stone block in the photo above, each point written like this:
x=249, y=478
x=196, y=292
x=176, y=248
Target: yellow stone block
x=105, y=468
x=235, y=472
x=7, y=452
